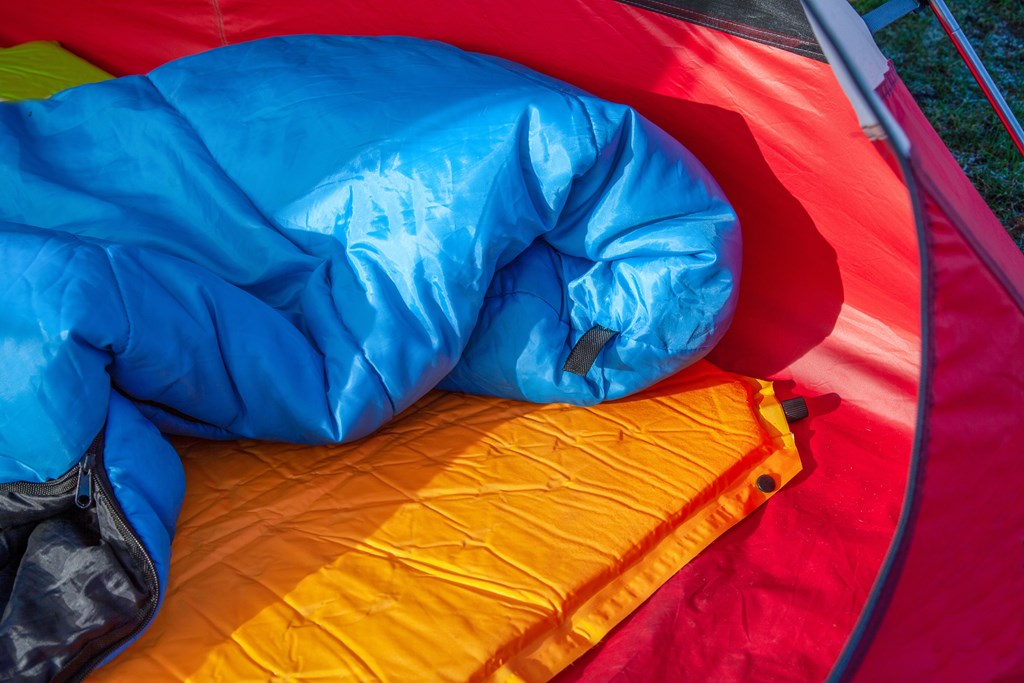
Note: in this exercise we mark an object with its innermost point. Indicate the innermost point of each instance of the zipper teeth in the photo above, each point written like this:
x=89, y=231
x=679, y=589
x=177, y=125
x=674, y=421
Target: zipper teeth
x=67, y=483
x=138, y=552
x=63, y=484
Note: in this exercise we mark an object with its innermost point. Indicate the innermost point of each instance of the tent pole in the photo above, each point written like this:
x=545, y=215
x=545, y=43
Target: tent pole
x=978, y=70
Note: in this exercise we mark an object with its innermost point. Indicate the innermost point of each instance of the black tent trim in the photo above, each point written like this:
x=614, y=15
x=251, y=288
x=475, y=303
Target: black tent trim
x=780, y=23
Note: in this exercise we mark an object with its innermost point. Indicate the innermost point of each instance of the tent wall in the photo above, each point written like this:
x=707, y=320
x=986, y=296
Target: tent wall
x=948, y=603
x=830, y=297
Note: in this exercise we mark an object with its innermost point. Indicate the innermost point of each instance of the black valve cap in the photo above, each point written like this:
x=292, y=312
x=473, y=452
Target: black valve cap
x=795, y=409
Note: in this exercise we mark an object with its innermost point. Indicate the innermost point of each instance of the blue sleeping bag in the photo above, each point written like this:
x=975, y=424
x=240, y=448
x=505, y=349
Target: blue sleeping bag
x=295, y=239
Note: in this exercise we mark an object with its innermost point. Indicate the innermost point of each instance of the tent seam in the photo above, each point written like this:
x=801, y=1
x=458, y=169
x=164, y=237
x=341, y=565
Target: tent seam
x=691, y=17
x=729, y=22
x=218, y=17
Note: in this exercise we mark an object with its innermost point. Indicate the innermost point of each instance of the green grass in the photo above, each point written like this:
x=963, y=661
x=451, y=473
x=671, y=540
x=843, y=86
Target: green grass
x=952, y=101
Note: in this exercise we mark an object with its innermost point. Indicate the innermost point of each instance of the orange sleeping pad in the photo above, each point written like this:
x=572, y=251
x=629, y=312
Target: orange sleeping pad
x=470, y=539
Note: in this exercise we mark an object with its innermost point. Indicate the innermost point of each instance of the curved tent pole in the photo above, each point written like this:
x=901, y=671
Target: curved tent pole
x=864, y=96
x=892, y=11
x=980, y=73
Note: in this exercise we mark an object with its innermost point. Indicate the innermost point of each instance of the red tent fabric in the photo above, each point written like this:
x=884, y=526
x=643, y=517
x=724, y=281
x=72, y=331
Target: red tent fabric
x=880, y=287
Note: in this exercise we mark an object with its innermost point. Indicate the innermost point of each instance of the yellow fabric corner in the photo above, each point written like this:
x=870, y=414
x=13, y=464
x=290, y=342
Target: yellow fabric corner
x=40, y=69
x=470, y=539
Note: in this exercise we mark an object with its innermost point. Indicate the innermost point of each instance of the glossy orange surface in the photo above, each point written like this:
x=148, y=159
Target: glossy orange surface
x=469, y=539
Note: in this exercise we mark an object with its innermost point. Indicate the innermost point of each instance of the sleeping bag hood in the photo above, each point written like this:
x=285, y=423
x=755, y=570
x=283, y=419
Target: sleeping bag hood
x=295, y=239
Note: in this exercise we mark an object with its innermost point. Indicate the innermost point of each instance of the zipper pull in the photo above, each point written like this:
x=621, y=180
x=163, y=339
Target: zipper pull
x=83, y=497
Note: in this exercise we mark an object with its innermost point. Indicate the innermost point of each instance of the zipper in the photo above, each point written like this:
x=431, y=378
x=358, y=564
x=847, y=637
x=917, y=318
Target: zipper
x=88, y=483
x=61, y=486
x=72, y=480
x=83, y=494
x=101, y=491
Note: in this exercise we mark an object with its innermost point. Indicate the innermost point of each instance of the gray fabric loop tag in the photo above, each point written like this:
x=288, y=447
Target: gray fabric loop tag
x=584, y=353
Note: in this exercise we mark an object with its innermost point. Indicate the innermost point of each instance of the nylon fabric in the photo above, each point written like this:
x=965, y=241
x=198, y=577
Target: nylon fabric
x=378, y=221
x=824, y=305
x=41, y=68
x=66, y=582
x=75, y=581
x=393, y=231
x=829, y=303
x=149, y=496
x=780, y=23
x=178, y=28
x=968, y=453
x=303, y=258
x=429, y=547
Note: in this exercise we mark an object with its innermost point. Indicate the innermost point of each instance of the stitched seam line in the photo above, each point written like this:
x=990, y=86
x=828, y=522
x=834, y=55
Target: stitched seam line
x=743, y=31
x=736, y=25
x=218, y=16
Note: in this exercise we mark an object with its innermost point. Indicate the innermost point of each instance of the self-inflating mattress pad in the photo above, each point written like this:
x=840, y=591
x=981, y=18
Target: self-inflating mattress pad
x=470, y=539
